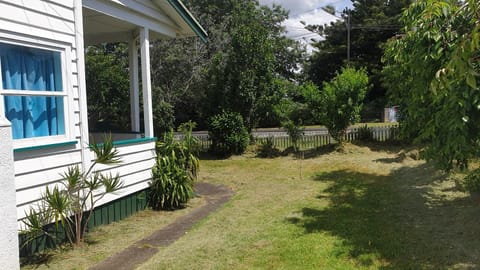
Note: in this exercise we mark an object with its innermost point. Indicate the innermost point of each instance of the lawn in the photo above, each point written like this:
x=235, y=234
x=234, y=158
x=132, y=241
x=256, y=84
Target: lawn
x=364, y=208
x=107, y=240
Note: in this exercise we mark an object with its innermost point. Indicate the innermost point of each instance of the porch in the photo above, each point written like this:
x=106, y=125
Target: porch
x=136, y=23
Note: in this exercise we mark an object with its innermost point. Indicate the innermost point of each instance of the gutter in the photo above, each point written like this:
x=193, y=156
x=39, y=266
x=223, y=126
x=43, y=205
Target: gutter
x=189, y=19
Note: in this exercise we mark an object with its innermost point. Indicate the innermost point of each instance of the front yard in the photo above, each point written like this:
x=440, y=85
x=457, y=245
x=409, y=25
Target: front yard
x=364, y=208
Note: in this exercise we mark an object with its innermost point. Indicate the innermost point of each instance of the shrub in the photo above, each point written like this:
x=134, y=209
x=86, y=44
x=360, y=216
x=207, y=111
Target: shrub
x=175, y=170
x=228, y=134
x=395, y=135
x=364, y=134
x=341, y=100
x=171, y=187
x=294, y=131
x=293, y=115
x=472, y=181
x=267, y=148
x=189, y=149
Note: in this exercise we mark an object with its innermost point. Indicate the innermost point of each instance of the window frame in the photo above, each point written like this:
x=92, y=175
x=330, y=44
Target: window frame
x=66, y=93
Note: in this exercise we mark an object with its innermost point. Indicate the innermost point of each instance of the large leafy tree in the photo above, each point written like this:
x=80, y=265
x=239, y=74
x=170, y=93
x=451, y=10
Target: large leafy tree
x=244, y=52
x=187, y=79
x=372, y=23
x=176, y=71
x=216, y=16
x=241, y=76
x=179, y=65
x=432, y=71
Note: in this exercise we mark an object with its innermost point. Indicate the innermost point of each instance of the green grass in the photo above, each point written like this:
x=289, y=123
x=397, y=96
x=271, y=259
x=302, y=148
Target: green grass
x=366, y=207
x=360, y=209
x=106, y=240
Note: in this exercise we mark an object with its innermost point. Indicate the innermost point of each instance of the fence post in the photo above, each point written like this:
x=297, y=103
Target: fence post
x=8, y=209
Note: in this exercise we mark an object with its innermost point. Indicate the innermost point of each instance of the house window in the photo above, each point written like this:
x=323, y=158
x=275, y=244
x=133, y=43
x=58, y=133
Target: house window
x=32, y=84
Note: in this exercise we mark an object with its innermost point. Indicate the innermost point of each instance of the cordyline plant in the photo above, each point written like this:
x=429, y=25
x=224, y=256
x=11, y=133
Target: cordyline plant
x=176, y=169
x=71, y=205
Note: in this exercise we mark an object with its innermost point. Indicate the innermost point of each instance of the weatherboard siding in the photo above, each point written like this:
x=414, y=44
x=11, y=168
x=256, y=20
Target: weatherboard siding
x=47, y=23
x=44, y=19
x=52, y=23
x=34, y=174
x=135, y=169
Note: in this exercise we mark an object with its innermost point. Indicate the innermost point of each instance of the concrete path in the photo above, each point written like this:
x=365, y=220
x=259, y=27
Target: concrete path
x=139, y=252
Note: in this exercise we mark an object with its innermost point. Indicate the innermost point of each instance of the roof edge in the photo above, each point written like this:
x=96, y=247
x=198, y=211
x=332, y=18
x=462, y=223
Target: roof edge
x=189, y=19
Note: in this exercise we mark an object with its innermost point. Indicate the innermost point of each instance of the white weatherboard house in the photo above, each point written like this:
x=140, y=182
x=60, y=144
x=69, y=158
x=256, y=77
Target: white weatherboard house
x=43, y=104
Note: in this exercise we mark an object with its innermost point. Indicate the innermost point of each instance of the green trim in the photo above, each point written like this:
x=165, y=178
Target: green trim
x=189, y=19
x=44, y=146
x=132, y=141
x=114, y=131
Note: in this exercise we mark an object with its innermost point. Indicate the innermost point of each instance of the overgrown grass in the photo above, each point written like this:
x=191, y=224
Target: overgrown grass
x=363, y=208
x=359, y=209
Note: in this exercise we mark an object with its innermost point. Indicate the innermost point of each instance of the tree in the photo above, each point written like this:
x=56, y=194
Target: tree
x=341, y=100
x=190, y=78
x=432, y=72
x=372, y=22
x=242, y=71
x=330, y=9
x=216, y=16
x=182, y=68
x=240, y=76
x=108, y=87
x=176, y=70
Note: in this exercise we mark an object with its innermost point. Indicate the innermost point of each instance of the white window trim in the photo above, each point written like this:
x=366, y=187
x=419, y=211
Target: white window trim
x=67, y=93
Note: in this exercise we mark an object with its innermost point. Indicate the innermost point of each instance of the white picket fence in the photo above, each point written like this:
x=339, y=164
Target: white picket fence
x=311, y=138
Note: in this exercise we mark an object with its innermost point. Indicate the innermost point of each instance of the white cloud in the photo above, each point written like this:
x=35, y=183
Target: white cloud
x=308, y=12
x=299, y=6
x=295, y=28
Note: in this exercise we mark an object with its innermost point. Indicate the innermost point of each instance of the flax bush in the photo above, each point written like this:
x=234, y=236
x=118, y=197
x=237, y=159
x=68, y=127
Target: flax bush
x=175, y=170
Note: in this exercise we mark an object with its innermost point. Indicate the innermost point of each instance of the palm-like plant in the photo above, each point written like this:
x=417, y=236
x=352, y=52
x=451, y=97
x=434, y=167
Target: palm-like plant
x=190, y=148
x=176, y=169
x=171, y=187
x=73, y=206
x=185, y=150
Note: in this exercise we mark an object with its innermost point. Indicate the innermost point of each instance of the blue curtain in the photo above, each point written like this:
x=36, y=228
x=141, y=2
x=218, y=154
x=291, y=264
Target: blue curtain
x=25, y=68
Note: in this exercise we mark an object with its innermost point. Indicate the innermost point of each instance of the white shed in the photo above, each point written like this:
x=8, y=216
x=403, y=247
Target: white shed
x=43, y=104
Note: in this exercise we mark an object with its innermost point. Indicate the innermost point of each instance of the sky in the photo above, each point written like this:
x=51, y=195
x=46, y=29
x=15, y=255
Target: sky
x=300, y=6
x=310, y=12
